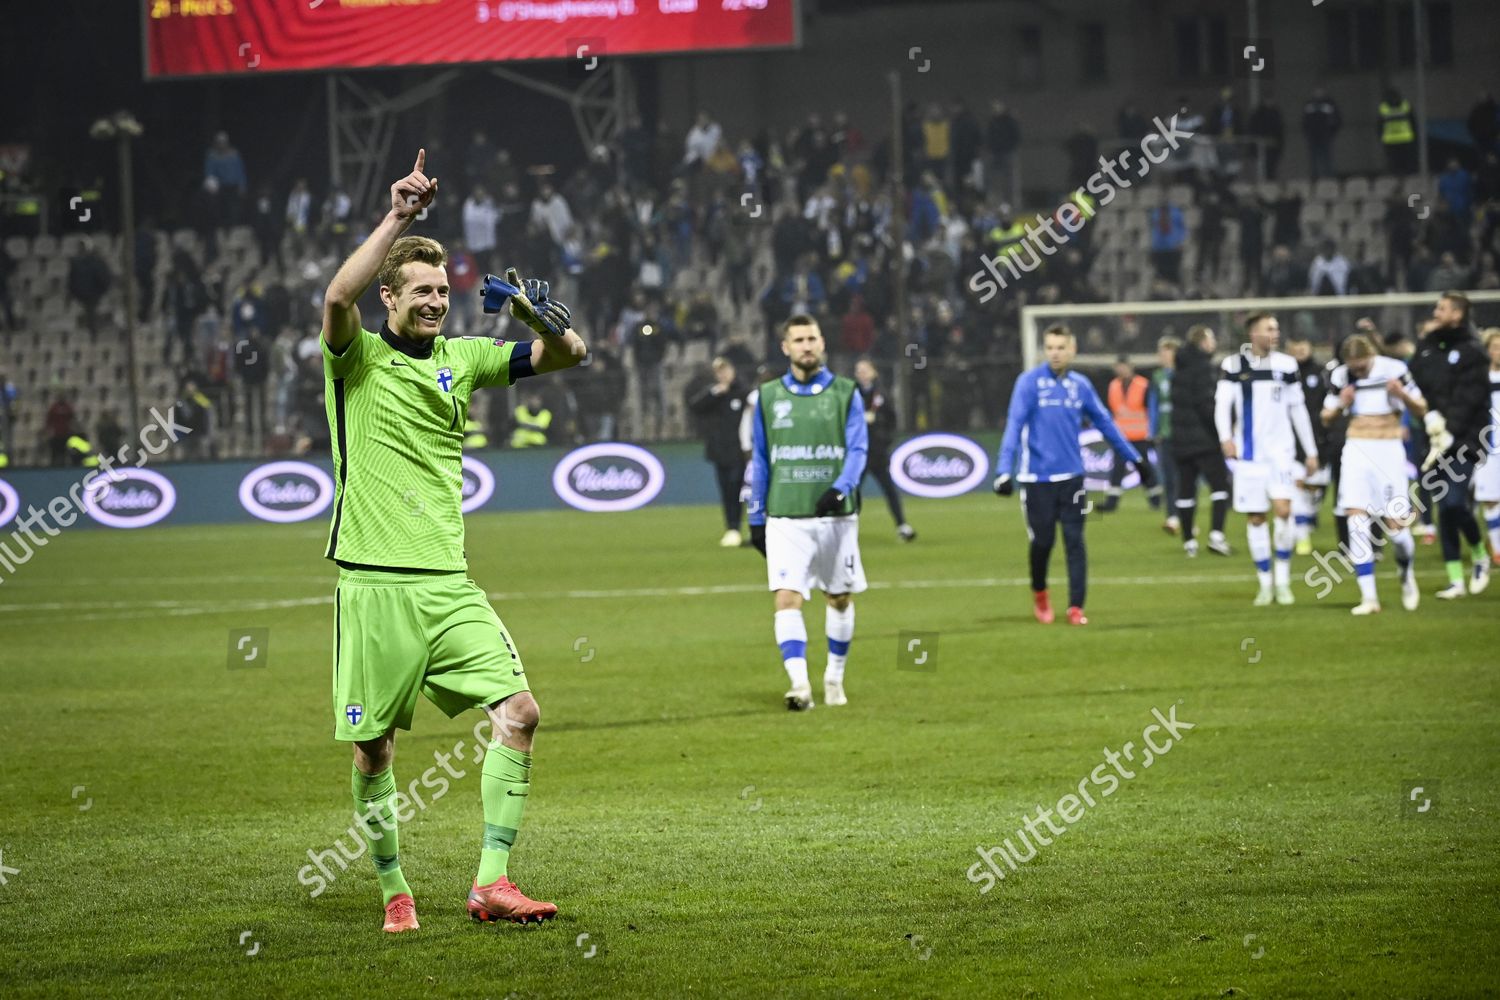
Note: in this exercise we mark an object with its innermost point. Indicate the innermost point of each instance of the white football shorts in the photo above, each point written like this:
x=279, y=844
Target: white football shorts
x=1487, y=479
x=814, y=553
x=1257, y=483
x=1372, y=477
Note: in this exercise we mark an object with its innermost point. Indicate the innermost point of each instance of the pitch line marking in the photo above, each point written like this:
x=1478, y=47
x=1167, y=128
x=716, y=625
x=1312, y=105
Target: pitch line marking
x=125, y=610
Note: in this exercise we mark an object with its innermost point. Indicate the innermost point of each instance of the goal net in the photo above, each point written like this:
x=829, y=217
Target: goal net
x=1107, y=330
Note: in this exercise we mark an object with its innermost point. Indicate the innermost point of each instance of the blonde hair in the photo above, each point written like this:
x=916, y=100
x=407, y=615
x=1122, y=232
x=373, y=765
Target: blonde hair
x=1168, y=344
x=1359, y=346
x=408, y=250
x=1489, y=336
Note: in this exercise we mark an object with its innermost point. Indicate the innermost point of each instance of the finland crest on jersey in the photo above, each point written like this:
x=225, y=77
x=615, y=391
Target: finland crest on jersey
x=354, y=713
x=445, y=379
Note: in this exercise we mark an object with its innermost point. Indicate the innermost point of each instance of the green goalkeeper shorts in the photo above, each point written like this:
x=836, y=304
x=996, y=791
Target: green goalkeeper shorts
x=399, y=633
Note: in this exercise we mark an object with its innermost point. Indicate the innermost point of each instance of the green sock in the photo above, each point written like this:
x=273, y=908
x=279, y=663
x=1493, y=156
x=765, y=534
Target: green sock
x=375, y=817
x=503, y=786
x=1455, y=571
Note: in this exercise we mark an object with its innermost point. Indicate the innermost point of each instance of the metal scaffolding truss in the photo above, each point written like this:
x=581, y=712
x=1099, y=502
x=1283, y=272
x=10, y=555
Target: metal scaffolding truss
x=361, y=126
x=362, y=118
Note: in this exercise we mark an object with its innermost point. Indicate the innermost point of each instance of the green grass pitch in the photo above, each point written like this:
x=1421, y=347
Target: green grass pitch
x=156, y=806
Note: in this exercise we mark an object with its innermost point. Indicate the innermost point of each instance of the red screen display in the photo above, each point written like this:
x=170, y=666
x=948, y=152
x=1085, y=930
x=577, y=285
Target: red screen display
x=201, y=37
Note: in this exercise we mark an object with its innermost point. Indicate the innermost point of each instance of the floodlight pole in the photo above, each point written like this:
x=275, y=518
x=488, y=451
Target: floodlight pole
x=127, y=211
x=123, y=127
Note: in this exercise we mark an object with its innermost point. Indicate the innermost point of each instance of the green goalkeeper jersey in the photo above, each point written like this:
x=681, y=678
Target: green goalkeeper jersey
x=396, y=416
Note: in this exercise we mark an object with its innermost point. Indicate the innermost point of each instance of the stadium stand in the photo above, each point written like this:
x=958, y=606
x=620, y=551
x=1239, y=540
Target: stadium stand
x=673, y=249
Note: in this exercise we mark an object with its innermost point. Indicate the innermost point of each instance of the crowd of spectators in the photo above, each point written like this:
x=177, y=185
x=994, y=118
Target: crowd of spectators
x=662, y=240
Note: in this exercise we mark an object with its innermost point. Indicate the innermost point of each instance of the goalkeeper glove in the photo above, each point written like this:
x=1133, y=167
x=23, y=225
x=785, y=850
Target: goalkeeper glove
x=758, y=537
x=1004, y=485
x=831, y=502
x=1439, y=435
x=528, y=303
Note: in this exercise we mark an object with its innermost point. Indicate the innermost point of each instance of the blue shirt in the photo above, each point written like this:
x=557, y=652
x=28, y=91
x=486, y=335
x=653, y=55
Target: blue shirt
x=856, y=445
x=227, y=168
x=1041, y=429
x=1175, y=234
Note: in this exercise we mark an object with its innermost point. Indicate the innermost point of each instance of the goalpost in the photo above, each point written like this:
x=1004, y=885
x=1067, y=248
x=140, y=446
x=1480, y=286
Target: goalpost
x=1108, y=329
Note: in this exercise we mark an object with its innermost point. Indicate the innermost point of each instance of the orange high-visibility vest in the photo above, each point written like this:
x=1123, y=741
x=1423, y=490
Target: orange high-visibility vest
x=1128, y=406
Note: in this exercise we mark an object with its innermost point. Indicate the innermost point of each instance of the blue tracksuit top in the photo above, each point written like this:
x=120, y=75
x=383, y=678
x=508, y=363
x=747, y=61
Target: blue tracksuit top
x=1046, y=413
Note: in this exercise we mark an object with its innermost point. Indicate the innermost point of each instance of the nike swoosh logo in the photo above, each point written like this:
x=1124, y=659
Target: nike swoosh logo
x=519, y=795
x=518, y=673
x=401, y=364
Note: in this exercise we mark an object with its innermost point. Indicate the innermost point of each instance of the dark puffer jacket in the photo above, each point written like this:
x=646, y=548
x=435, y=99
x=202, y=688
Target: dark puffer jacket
x=1193, y=386
x=1452, y=371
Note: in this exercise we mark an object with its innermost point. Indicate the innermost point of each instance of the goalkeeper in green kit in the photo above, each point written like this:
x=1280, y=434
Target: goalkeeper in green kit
x=406, y=616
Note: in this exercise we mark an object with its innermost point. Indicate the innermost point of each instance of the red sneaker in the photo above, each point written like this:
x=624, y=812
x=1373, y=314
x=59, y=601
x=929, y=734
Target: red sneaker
x=1076, y=616
x=1043, y=607
x=501, y=900
x=400, y=915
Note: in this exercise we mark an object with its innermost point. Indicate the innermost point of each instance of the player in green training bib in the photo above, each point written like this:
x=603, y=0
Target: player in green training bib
x=808, y=449
x=407, y=618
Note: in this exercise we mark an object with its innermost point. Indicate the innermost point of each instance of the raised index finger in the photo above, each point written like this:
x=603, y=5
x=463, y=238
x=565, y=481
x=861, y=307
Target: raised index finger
x=421, y=161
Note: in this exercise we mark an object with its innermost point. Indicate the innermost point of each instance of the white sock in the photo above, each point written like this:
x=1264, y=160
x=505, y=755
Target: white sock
x=1303, y=509
x=1362, y=554
x=1259, y=537
x=1285, y=539
x=840, y=626
x=791, y=636
x=1406, y=549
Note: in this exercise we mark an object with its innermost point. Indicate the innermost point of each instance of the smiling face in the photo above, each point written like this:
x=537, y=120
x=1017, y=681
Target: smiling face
x=418, y=302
